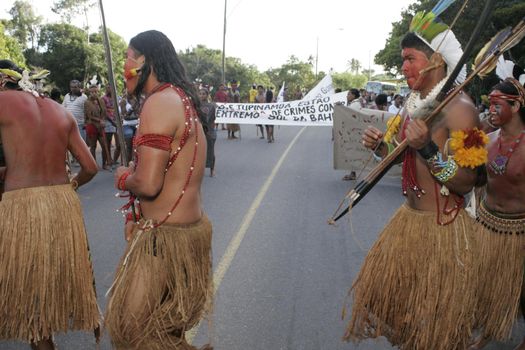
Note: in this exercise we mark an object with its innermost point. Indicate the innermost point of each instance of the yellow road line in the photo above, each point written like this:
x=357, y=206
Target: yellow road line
x=234, y=244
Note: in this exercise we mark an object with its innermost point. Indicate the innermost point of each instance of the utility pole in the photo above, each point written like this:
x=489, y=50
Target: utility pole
x=224, y=46
x=369, y=65
x=316, y=56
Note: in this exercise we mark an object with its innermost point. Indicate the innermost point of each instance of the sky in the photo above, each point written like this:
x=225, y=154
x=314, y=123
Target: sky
x=264, y=33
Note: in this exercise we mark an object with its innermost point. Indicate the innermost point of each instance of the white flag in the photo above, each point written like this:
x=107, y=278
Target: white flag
x=280, y=97
x=322, y=89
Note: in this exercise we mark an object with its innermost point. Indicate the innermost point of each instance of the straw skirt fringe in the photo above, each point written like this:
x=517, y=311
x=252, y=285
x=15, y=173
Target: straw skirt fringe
x=46, y=277
x=501, y=270
x=417, y=286
x=162, y=288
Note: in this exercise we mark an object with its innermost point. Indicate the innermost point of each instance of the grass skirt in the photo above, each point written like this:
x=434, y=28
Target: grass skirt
x=501, y=272
x=46, y=277
x=162, y=288
x=417, y=285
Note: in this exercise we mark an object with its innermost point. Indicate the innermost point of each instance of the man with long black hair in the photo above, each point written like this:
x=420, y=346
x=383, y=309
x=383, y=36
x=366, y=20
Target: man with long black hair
x=163, y=284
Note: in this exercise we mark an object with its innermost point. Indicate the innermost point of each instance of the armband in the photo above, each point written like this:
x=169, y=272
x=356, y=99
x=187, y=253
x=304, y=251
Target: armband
x=447, y=172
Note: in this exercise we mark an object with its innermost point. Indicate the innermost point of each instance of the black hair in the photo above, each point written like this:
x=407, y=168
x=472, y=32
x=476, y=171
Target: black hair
x=508, y=88
x=161, y=58
x=412, y=41
x=381, y=100
x=55, y=94
x=355, y=92
x=337, y=90
x=7, y=64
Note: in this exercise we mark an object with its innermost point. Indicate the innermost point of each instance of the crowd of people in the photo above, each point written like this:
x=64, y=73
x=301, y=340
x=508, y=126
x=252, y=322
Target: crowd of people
x=437, y=274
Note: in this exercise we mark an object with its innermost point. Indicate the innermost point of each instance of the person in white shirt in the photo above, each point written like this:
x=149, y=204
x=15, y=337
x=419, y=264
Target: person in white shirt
x=74, y=103
x=395, y=107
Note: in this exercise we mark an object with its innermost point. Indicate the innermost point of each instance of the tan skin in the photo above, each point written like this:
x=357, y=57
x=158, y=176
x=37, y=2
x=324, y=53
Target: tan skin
x=505, y=192
x=163, y=113
x=100, y=123
x=48, y=130
x=459, y=114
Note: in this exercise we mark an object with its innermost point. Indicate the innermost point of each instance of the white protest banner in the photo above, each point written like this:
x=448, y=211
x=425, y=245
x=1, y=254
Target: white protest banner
x=349, y=125
x=300, y=113
x=322, y=89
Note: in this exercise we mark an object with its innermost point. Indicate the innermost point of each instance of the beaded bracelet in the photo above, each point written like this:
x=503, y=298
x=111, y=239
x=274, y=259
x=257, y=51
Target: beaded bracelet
x=121, y=185
x=447, y=172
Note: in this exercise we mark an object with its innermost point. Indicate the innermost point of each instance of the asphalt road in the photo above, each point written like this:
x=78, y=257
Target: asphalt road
x=282, y=274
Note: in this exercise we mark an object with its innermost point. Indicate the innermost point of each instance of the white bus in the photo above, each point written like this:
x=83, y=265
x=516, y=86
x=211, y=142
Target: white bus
x=380, y=87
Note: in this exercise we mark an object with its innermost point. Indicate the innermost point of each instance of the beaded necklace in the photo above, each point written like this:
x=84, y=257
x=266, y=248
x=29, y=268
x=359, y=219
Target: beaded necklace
x=156, y=140
x=499, y=164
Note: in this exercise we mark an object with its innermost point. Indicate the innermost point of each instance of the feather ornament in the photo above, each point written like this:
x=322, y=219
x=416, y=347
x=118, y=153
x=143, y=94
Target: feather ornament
x=501, y=42
x=504, y=68
x=441, y=6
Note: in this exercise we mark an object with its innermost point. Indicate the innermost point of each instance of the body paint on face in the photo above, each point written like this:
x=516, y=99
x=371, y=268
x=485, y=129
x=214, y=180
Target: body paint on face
x=500, y=109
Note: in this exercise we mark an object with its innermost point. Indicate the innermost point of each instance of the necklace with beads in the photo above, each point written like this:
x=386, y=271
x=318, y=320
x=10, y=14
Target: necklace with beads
x=415, y=102
x=191, y=120
x=499, y=164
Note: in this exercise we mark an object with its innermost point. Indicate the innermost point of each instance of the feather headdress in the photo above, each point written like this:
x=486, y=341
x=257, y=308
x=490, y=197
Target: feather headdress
x=439, y=37
x=25, y=80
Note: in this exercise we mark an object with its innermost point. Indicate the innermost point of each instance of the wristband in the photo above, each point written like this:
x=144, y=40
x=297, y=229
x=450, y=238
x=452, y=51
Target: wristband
x=430, y=150
x=121, y=185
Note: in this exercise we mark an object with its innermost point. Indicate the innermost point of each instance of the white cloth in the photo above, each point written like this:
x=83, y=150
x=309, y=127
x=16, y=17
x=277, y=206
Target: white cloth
x=393, y=109
x=75, y=105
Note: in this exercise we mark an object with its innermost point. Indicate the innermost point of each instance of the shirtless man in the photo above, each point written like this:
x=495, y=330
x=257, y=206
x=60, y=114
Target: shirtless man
x=96, y=118
x=42, y=234
x=420, y=267
x=163, y=285
x=501, y=215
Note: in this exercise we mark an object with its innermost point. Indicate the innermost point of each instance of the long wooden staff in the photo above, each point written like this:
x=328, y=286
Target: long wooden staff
x=111, y=78
x=365, y=185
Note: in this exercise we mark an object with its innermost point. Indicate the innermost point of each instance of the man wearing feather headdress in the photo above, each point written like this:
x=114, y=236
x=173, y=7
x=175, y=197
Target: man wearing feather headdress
x=417, y=284
x=501, y=211
x=46, y=277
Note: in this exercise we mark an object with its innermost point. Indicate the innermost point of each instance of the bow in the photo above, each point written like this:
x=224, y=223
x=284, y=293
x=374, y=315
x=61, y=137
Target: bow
x=365, y=185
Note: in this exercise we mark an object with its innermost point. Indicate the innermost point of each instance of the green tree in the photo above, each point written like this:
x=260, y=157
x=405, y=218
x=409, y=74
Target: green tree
x=354, y=66
x=67, y=9
x=346, y=80
x=295, y=73
x=10, y=49
x=64, y=53
x=205, y=64
x=24, y=23
x=96, y=57
x=505, y=13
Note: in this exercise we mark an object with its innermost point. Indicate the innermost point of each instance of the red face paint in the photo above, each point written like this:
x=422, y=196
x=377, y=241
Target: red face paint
x=414, y=61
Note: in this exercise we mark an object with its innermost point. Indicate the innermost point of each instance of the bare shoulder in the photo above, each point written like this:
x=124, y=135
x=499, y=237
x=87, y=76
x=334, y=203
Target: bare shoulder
x=163, y=113
x=461, y=113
